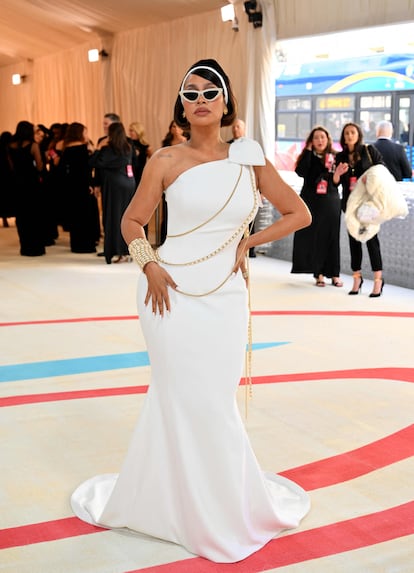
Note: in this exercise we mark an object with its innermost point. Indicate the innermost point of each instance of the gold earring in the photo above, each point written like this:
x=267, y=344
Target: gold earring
x=226, y=111
x=184, y=114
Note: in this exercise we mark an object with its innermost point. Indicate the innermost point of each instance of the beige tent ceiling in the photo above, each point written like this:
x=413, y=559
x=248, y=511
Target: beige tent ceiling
x=30, y=29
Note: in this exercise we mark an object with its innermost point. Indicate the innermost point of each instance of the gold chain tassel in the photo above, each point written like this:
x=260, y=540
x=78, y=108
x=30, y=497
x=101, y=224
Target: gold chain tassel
x=248, y=391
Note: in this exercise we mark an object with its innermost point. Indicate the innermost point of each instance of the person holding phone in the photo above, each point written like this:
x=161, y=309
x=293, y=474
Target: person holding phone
x=316, y=249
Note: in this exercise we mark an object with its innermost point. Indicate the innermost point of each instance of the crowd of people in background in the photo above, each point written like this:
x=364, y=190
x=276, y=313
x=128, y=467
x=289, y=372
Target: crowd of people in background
x=56, y=177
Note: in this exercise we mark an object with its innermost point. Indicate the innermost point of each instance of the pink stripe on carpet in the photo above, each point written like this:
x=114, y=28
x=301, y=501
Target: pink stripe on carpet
x=403, y=374
x=75, y=395
x=358, y=462
x=319, y=542
x=303, y=546
x=69, y=320
x=390, y=314
x=45, y=531
x=254, y=313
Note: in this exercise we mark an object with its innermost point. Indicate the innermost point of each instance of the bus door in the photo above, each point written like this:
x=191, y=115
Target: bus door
x=404, y=123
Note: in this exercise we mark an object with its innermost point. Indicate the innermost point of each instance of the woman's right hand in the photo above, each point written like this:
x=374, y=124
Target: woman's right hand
x=240, y=263
x=340, y=169
x=158, y=283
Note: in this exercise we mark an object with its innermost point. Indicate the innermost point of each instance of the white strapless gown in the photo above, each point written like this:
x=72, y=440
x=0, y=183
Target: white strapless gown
x=190, y=475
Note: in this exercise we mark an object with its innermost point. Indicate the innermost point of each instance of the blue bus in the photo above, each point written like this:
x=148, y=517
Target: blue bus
x=331, y=93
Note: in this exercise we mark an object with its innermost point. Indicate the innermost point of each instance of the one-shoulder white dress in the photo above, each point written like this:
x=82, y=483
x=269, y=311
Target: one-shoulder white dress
x=190, y=475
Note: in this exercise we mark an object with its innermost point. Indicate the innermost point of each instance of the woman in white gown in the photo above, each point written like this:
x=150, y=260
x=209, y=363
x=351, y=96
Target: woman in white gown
x=190, y=475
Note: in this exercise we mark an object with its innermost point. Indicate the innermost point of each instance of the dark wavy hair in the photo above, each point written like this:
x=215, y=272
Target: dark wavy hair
x=118, y=140
x=24, y=132
x=329, y=148
x=213, y=78
x=73, y=133
x=360, y=141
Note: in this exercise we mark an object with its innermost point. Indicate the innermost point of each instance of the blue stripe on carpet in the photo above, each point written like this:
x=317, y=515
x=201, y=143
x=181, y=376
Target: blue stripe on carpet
x=48, y=369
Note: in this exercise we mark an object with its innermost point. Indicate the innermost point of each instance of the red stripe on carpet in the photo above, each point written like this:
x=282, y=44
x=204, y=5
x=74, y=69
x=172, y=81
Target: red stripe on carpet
x=254, y=313
x=332, y=313
x=306, y=545
x=403, y=374
x=293, y=548
x=356, y=463
x=45, y=531
x=75, y=395
x=68, y=320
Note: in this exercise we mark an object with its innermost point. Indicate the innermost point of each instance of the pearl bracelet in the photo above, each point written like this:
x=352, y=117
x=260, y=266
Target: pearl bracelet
x=142, y=252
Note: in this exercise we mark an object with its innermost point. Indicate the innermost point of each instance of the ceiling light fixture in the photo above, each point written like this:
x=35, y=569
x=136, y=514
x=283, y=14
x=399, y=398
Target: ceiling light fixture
x=228, y=15
x=95, y=55
x=17, y=79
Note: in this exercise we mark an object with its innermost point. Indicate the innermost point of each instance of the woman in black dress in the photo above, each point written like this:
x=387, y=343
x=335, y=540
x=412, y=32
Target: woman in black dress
x=27, y=166
x=316, y=248
x=80, y=202
x=351, y=163
x=6, y=195
x=114, y=161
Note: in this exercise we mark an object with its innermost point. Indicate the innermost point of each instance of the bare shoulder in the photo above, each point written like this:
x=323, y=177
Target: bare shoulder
x=159, y=167
x=164, y=157
x=169, y=152
x=170, y=161
x=159, y=158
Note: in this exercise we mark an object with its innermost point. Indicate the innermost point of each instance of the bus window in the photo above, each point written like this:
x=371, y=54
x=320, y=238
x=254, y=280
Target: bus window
x=333, y=111
x=331, y=102
x=368, y=121
x=293, y=117
x=293, y=125
x=294, y=104
x=375, y=101
x=334, y=121
x=373, y=109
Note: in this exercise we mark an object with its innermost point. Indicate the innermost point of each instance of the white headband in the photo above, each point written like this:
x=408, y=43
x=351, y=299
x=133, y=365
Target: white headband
x=223, y=84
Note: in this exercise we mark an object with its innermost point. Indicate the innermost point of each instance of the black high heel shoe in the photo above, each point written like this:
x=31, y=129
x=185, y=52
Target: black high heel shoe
x=377, y=294
x=357, y=276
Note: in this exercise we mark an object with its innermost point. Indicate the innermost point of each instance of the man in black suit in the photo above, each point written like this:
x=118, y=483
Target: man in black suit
x=393, y=153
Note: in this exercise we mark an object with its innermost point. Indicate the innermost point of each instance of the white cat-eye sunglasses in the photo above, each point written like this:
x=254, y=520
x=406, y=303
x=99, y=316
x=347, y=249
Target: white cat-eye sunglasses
x=209, y=94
